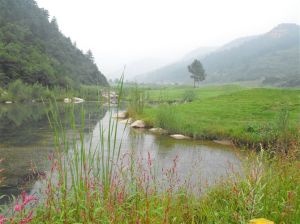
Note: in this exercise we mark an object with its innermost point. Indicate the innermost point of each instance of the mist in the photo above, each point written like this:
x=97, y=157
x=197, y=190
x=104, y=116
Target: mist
x=130, y=32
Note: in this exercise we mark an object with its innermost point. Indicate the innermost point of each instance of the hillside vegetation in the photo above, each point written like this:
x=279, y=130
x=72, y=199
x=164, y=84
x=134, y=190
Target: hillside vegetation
x=33, y=49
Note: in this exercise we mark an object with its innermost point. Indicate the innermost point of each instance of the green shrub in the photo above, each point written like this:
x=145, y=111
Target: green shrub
x=19, y=91
x=189, y=95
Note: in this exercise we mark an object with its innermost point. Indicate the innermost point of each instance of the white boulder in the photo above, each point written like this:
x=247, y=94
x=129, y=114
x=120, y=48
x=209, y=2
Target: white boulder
x=120, y=115
x=179, y=137
x=138, y=124
x=224, y=142
x=127, y=121
x=158, y=131
x=67, y=100
x=77, y=100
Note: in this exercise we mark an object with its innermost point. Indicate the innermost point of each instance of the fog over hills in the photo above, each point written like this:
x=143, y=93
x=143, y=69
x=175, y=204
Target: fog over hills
x=175, y=72
x=137, y=67
x=272, y=58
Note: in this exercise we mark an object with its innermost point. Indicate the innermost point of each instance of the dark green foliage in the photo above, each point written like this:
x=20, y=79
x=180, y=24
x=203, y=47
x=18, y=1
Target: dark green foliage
x=34, y=50
x=18, y=91
x=197, y=70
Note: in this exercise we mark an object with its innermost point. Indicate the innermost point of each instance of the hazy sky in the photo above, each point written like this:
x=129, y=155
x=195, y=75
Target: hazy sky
x=121, y=31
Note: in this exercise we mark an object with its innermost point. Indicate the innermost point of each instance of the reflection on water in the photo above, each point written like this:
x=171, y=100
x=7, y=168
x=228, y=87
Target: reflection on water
x=203, y=162
x=26, y=141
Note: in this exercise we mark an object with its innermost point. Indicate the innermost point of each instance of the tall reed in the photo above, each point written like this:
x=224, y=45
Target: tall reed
x=137, y=100
x=93, y=182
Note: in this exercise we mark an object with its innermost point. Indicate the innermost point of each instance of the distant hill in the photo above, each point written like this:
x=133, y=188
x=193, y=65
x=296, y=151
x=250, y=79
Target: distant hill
x=34, y=50
x=198, y=53
x=236, y=43
x=174, y=73
x=271, y=59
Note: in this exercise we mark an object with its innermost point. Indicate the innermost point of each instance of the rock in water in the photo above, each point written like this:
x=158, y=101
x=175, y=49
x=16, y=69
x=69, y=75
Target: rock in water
x=127, y=121
x=138, y=124
x=159, y=131
x=77, y=100
x=67, y=100
x=120, y=115
x=224, y=142
x=180, y=137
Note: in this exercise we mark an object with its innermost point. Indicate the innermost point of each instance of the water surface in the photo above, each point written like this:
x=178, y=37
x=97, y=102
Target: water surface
x=26, y=140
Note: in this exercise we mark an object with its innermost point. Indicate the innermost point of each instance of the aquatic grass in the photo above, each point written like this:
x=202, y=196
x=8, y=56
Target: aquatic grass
x=88, y=184
x=137, y=100
x=18, y=91
x=269, y=189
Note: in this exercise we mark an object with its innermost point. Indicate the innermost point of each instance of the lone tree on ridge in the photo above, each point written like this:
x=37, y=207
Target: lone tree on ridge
x=197, y=70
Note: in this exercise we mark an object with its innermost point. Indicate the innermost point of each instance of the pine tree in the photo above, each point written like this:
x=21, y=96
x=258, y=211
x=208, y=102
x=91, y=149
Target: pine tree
x=197, y=70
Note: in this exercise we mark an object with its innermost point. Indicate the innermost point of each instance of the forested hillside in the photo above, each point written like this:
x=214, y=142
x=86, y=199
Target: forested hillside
x=272, y=58
x=33, y=49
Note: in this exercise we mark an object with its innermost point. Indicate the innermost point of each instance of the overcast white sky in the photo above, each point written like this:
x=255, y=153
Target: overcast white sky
x=121, y=31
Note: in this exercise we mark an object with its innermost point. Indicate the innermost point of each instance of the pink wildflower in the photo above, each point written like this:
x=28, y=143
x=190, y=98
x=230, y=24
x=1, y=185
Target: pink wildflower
x=2, y=219
x=27, y=198
x=18, y=208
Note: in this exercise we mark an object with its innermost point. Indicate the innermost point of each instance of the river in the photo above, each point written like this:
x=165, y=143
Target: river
x=26, y=140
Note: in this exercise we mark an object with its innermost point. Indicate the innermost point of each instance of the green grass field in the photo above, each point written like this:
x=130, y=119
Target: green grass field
x=178, y=93
x=246, y=116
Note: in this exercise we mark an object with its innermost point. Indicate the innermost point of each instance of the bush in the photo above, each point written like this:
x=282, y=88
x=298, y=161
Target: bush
x=19, y=91
x=37, y=91
x=189, y=95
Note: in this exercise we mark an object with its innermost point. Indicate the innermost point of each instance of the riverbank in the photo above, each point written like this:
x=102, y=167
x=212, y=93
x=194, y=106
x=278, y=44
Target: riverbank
x=93, y=188
x=247, y=117
x=18, y=91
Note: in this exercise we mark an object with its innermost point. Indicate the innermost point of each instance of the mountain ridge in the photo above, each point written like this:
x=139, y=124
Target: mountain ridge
x=266, y=58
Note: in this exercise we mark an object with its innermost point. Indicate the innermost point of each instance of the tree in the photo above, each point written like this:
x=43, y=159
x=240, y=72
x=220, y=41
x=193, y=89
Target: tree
x=90, y=55
x=197, y=70
x=54, y=23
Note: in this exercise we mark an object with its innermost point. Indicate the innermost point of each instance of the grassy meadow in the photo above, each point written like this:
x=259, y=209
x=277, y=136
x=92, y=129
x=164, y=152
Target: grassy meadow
x=186, y=93
x=247, y=116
